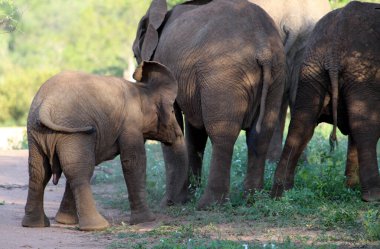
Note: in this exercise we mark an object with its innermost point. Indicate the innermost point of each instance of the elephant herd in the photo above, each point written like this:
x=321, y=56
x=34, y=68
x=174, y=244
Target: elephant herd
x=207, y=70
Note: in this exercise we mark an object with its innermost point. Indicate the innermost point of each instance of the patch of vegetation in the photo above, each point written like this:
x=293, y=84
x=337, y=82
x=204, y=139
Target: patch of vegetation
x=371, y=221
x=319, y=212
x=17, y=144
x=9, y=16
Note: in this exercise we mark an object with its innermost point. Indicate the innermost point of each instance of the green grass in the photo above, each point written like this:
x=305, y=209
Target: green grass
x=341, y=3
x=320, y=212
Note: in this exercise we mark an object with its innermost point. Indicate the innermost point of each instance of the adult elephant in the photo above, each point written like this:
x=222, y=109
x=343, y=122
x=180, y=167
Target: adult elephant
x=339, y=84
x=295, y=20
x=228, y=59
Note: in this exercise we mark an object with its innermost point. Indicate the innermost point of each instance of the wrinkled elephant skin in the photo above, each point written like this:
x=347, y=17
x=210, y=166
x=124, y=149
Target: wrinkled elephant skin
x=339, y=84
x=78, y=120
x=295, y=20
x=229, y=62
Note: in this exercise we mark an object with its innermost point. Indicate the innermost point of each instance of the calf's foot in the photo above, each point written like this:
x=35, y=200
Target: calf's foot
x=93, y=223
x=66, y=217
x=30, y=220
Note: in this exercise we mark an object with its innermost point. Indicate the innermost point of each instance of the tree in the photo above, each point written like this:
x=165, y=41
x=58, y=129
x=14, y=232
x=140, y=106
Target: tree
x=9, y=16
x=171, y=3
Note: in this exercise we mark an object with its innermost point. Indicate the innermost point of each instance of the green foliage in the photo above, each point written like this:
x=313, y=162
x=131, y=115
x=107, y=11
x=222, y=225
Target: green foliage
x=90, y=36
x=341, y=3
x=17, y=91
x=171, y=3
x=319, y=203
x=372, y=224
x=9, y=16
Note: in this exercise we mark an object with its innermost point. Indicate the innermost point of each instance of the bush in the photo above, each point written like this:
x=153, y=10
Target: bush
x=17, y=90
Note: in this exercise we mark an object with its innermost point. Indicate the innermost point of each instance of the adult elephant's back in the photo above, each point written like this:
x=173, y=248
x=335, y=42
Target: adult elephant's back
x=295, y=20
x=229, y=61
x=220, y=57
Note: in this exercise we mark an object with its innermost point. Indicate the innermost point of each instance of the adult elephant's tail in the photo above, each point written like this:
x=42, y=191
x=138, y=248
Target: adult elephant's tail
x=267, y=78
x=333, y=74
x=45, y=119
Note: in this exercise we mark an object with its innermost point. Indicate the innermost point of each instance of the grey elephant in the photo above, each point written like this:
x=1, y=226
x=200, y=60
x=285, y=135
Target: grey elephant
x=339, y=84
x=295, y=20
x=229, y=62
x=78, y=120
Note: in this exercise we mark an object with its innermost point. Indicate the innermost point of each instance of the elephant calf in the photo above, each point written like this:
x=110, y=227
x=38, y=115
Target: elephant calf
x=340, y=84
x=77, y=121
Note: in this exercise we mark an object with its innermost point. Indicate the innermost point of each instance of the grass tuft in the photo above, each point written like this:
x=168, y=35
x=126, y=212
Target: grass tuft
x=319, y=212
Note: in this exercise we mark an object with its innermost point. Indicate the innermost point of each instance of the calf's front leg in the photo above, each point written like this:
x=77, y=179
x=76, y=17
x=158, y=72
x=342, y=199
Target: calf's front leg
x=133, y=159
x=39, y=175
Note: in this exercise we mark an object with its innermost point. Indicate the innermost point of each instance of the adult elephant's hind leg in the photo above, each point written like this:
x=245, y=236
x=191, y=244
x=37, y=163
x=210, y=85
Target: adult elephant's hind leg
x=223, y=136
x=39, y=175
x=365, y=133
x=67, y=213
x=257, y=144
x=196, y=142
x=352, y=164
x=76, y=155
x=275, y=146
x=368, y=168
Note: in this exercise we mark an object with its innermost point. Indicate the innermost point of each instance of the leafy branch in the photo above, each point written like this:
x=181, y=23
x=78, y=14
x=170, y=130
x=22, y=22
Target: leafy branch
x=9, y=16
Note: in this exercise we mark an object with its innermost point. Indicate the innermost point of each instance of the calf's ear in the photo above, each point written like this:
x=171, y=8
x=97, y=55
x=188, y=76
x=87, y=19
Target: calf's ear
x=159, y=79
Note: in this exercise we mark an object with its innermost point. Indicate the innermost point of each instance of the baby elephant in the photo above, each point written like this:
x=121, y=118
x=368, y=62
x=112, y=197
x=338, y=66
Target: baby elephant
x=78, y=120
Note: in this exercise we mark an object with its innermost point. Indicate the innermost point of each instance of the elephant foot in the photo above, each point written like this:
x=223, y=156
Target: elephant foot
x=209, y=199
x=371, y=195
x=93, y=223
x=278, y=189
x=35, y=221
x=248, y=195
x=181, y=198
x=274, y=155
x=352, y=181
x=165, y=202
x=141, y=217
x=251, y=187
x=68, y=218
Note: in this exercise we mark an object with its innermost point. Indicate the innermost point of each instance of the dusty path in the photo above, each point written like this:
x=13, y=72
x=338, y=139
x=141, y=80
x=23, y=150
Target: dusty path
x=13, y=193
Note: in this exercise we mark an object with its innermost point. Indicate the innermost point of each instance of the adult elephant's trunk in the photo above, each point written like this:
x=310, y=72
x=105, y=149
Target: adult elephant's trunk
x=310, y=97
x=176, y=168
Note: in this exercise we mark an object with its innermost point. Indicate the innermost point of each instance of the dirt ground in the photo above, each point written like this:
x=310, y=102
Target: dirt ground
x=13, y=193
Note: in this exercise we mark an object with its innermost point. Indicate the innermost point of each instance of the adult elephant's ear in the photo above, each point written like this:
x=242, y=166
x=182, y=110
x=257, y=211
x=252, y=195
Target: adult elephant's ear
x=161, y=83
x=147, y=32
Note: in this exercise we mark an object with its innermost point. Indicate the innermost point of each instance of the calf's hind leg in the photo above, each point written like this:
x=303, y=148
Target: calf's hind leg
x=67, y=213
x=76, y=155
x=39, y=176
